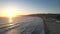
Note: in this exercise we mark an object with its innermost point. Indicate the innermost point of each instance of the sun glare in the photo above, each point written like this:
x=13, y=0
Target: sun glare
x=10, y=14
x=10, y=11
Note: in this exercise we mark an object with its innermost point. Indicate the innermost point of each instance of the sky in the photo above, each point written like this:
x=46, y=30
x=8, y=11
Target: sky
x=29, y=6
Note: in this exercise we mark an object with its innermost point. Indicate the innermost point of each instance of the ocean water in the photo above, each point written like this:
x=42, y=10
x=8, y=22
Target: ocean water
x=23, y=25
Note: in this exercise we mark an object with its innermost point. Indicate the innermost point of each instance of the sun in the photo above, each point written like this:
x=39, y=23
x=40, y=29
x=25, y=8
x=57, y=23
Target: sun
x=10, y=11
x=10, y=14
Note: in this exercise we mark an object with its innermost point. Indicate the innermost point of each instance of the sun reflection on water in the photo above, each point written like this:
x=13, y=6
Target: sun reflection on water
x=10, y=20
x=11, y=24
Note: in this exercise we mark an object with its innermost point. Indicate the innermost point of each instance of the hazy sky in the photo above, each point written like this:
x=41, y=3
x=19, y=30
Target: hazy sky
x=30, y=6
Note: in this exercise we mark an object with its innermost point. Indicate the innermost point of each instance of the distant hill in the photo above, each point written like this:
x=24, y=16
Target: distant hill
x=55, y=16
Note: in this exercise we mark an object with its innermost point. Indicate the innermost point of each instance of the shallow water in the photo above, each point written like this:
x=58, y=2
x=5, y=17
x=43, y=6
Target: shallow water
x=24, y=25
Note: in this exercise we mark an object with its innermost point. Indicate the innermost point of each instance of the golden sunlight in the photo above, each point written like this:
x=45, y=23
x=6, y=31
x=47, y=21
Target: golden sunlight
x=10, y=11
x=10, y=14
